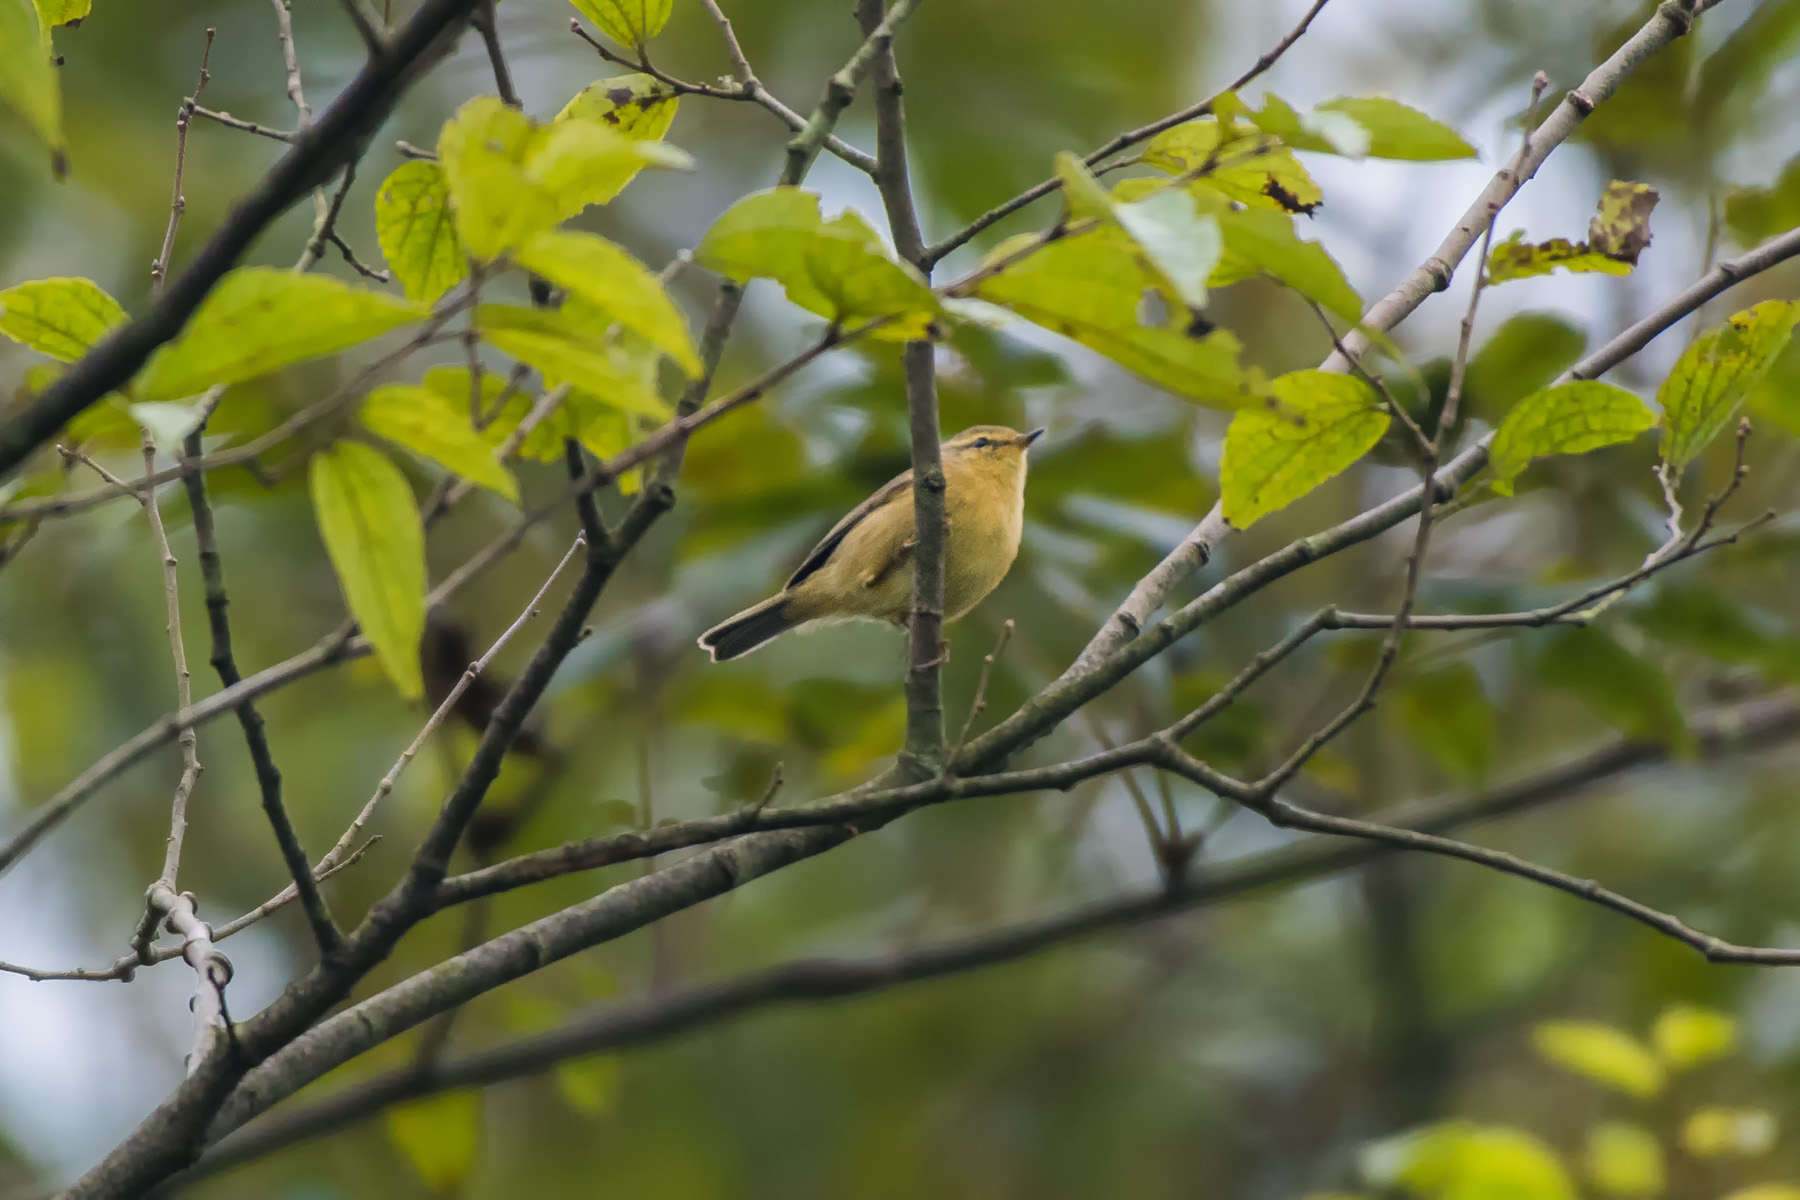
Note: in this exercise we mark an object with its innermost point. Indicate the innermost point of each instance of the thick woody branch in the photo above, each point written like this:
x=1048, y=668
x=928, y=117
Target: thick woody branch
x=1744, y=728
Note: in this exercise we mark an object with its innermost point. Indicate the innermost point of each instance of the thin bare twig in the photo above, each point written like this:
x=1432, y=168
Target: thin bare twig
x=159, y=270
x=979, y=705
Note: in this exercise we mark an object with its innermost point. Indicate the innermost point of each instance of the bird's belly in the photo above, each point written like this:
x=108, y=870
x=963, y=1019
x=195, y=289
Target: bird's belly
x=976, y=560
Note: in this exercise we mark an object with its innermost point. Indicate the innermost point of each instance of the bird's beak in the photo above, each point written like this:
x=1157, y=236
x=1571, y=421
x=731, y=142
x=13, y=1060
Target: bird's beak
x=1025, y=439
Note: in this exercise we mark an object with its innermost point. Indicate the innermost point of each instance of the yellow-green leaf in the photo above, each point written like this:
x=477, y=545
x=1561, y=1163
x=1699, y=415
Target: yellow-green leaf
x=58, y=317
x=1624, y=1159
x=580, y=162
x=544, y=443
x=1083, y=195
x=589, y=1085
x=1618, y=232
x=1179, y=244
x=1091, y=287
x=1570, y=418
x=1260, y=241
x=260, y=318
x=1515, y=258
x=1620, y=226
x=1722, y=1132
x=1686, y=1036
x=1766, y=1191
x=564, y=353
x=1256, y=170
x=837, y=269
x=52, y=13
x=1602, y=1053
x=1459, y=1160
x=615, y=283
x=428, y=423
x=1714, y=375
x=1319, y=424
x=372, y=532
x=638, y=106
x=1391, y=129
x=483, y=150
x=438, y=1135
x=627, y=22
x=28, y=82
x=417, y=233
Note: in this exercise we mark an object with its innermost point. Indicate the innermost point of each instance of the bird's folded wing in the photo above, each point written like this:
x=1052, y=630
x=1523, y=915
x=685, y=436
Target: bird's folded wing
x=821, y=553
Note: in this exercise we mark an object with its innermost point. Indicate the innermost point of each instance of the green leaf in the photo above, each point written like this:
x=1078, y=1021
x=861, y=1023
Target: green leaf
x=1255, y=170
x=1084, y=195
x=638, y=106
x=1177, y=243
x=616, y=284
x=837, y=269
x=1624, y=690
x=1724, y=1132
x=371, y=528
x=1399, y=131
x=1714, y=375
x=1090, y=288
x=627, y=22
x=482, y=150
x=1526, y=353
x=438, y=1135
x=28, y=82
x=413, y=223
x=52, y=13
x=1459, y=1160
x=1387, y=129
x=1447, y=712
x=260, y=318
x=1755, y=214
x=59, y=317
x=1617, y=234
x=1624, y=1159
x=578, y=163
x=1686, y=1036
x=1602, y=1053
x=1260, y=241
x=1570, y=418
x=430, y=424
x=564, y=353
x=1319, y=425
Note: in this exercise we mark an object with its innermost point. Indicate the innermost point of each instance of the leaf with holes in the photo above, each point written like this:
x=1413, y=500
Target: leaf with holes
x=429, y=424
x=1570, y=418
x=28, y=78
x=1251, y=169
x=373, y=535
x=260, y=318
x=417, y=233
x=59, y=317
x=1617, y=234
x=627, y=22
x=1714, y=375
x=1319, y=424
x=616, y=284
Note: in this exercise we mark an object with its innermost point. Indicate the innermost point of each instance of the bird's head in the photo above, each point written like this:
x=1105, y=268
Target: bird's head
x=989, y=443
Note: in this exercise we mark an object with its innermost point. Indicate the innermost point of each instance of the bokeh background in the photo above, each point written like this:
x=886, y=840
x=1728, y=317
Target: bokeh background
x=1251, y=1049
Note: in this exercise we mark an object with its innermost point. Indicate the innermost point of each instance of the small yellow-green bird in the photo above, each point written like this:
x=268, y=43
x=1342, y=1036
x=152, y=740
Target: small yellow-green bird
x=863, y=568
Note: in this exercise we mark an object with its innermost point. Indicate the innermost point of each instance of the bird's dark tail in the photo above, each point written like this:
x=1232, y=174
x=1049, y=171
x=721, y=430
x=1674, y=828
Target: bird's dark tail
x=750, y=628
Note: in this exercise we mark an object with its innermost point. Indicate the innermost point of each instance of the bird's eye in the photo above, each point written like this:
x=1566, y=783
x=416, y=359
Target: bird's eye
x=981, y=441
